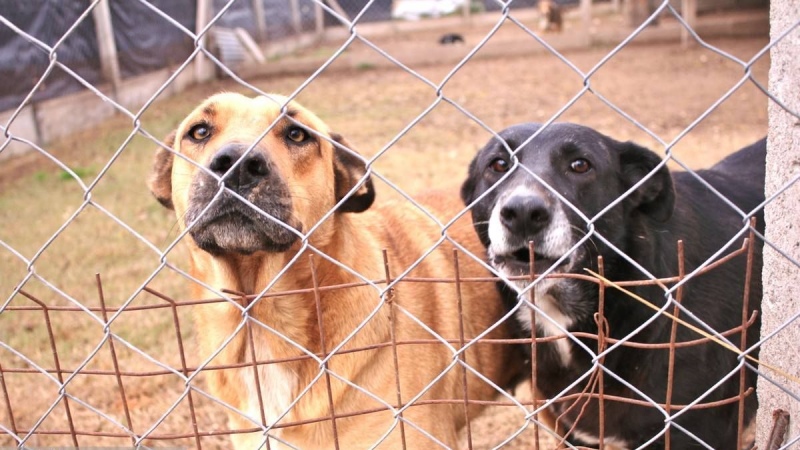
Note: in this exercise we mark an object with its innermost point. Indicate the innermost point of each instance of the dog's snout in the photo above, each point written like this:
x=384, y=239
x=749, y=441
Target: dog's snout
x=237, y=175
x=525, y=215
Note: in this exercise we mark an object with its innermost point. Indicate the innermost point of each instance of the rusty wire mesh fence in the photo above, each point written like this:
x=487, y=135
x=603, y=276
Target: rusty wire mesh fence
x=112, y=359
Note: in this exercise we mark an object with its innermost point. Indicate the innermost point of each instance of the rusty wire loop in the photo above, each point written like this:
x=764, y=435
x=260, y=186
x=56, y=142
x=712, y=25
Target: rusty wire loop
x=575, y=400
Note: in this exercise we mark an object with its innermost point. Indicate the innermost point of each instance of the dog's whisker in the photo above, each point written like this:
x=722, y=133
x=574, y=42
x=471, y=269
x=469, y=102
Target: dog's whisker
x=581, y=233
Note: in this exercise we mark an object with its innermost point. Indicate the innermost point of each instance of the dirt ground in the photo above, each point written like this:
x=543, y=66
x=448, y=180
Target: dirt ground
x=666, y=88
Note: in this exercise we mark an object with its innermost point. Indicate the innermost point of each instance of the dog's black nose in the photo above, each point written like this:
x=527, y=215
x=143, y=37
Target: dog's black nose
x=239, y=175
x=524, y=215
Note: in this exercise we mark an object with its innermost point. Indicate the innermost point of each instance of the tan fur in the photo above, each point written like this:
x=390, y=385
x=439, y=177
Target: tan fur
x=551, y=19
x=355, y=240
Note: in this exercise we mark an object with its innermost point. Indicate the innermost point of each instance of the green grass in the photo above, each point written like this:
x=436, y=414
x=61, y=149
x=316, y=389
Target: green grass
x=364, y=66
x=81, y=172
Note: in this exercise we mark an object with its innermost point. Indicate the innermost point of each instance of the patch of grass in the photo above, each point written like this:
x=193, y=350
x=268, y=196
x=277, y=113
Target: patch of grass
x=476, y=7
x=82, y=173
x=364, y=66
x=324, y=51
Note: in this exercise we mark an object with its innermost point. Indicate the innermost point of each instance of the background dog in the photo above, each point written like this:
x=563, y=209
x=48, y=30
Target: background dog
x=590, y=171
x=289, y=180
x=451, y=38
x=550, y=19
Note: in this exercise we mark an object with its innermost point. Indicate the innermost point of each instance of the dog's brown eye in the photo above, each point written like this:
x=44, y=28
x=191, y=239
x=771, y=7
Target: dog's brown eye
x=199, y=132
x=499, y=165
x=580, y=165
x=297, y=134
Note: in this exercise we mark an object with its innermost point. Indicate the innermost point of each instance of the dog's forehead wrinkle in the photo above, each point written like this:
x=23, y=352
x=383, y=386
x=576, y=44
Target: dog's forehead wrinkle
x=210, y=110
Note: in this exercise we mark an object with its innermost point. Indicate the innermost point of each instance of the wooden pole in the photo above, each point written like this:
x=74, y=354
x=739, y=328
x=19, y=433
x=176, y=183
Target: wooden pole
x=202, y=66
x=586, y=20
x=319, y=19
x=295, y=9
x=689, y=13
x=334, y=4
x=109, y=63
x=261, y=20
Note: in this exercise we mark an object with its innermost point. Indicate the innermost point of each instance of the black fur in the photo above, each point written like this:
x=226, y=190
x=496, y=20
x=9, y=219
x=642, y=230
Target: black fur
x=451, y=38
x=645, y=226
x=348, y=171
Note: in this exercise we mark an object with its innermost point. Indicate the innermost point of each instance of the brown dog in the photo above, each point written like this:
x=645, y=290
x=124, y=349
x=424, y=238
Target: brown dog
x=295, y=174
x=550, y=16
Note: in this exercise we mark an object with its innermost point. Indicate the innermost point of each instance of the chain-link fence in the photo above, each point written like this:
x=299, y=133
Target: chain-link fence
x=281, y=305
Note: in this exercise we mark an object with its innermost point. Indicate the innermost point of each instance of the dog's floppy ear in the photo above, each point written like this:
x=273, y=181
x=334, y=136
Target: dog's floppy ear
x=160, y=180
x=348, y=171
x=656, y=197
x=470, y=184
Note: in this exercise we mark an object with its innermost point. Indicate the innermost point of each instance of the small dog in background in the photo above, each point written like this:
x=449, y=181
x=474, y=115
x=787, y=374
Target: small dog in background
x=551, y=19
x=451, y=38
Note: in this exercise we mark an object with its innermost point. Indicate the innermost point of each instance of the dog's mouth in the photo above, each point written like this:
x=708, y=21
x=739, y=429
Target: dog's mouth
x=230, y=226
x=519, y=262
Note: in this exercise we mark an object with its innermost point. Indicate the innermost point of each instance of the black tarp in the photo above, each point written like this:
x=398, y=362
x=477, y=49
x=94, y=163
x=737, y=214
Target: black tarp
x=23, y=64
x=145, y=40
x=238, y=15
x=378, y=11
x=277, y=15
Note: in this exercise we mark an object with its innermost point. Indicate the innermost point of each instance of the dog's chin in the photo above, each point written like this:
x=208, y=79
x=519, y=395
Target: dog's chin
x=237, y=233
x=518, y=263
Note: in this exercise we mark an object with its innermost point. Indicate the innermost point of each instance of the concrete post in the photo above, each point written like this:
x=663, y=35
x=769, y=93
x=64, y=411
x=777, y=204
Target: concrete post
x=781, y=288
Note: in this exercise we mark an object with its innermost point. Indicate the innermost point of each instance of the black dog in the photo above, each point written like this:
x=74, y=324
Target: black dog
x=451, y=38
x=590, y=171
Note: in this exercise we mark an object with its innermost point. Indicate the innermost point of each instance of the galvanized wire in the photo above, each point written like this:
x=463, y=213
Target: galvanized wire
x=22, y=434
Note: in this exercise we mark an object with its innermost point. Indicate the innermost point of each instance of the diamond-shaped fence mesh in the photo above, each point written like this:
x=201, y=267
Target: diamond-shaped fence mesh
x=275, y=303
